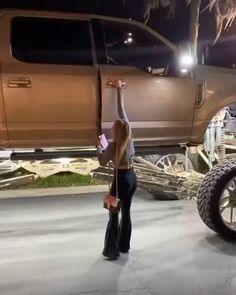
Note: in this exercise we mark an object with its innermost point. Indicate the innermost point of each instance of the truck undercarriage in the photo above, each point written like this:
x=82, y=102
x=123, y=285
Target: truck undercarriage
x=167, y=172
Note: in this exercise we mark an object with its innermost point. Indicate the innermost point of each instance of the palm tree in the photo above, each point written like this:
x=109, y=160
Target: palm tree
x=224, y=11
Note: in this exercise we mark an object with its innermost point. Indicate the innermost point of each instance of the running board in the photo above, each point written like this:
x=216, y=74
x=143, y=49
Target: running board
x=46, y=155
x=89, y=153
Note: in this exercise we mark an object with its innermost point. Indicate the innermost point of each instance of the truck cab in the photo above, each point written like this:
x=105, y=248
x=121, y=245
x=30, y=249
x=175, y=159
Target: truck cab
x=56, y=70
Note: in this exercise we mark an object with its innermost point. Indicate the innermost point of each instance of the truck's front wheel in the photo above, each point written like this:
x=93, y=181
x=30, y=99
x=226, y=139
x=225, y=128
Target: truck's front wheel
x=217, y=199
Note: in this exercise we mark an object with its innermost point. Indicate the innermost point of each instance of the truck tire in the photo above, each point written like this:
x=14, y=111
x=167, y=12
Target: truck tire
x=217, y=194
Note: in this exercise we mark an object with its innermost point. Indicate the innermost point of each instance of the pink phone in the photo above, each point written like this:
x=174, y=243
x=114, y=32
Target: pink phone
x=103, y=141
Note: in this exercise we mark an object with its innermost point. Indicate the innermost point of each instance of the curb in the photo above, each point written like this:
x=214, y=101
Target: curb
x=50, y=192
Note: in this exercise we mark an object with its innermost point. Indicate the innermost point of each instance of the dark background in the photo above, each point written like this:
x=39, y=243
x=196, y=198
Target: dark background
x=175, y=29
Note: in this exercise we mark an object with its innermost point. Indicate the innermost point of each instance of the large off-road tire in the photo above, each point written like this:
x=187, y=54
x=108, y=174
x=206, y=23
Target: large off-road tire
x=211, y=195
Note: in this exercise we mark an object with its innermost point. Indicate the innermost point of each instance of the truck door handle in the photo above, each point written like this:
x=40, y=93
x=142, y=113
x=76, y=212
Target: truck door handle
x=19, y=82
x=110, y=83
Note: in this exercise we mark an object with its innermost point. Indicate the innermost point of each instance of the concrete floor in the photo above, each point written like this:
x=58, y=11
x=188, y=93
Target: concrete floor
x=53, y=246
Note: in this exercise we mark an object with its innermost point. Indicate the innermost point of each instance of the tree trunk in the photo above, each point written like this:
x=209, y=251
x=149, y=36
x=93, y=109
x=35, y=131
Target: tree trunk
x=194, y=24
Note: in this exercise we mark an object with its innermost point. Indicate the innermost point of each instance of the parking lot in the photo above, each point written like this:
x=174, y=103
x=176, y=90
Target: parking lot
x=52, y=245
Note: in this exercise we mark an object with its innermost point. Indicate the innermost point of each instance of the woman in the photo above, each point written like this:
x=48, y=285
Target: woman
x=121, y=153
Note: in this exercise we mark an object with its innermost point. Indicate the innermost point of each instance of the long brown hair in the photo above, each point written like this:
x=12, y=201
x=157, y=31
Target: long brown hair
x=123, y=137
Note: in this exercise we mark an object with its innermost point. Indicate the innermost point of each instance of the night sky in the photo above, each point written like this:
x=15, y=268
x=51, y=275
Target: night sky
x=176, y=29
x=131, y=9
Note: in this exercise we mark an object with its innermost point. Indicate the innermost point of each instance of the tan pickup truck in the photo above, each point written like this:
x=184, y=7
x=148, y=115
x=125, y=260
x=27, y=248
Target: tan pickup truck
x=56, y=75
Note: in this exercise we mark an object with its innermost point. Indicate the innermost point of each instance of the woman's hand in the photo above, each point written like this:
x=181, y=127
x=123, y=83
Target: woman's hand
x=118, y=84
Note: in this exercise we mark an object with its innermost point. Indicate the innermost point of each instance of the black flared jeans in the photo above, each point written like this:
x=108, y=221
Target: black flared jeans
x=118, y=233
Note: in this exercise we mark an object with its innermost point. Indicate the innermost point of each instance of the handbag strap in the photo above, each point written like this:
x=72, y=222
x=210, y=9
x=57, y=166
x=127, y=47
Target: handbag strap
x=115, y=167
x=116, y=175
x=117, y=183
x=116, y=171
x=109, y=175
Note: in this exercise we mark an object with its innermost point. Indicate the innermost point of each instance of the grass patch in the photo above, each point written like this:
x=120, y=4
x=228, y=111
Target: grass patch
x=64, y=180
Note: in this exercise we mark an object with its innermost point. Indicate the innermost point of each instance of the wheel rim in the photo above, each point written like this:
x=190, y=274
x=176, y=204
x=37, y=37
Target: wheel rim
x=173, y=163
x=227, y=205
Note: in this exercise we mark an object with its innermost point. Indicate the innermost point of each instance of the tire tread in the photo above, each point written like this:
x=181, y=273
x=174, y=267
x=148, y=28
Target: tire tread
x=207, y=190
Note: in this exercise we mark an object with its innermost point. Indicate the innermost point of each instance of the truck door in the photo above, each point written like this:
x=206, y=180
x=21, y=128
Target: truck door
x=49, y=81
x=159, y=104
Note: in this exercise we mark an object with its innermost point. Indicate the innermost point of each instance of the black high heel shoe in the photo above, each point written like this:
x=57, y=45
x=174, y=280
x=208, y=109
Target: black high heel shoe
x=124, y=251
x=110, y=256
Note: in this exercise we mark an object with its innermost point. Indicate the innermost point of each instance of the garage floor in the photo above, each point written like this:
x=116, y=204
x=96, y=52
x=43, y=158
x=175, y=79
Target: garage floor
x=53, y=246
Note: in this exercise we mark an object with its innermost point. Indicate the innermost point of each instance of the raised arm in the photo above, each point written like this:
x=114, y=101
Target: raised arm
x=120, y=104
x=122, y=112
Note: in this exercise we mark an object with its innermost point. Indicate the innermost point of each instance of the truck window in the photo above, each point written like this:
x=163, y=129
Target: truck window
x=129, y=45
x=51, y=41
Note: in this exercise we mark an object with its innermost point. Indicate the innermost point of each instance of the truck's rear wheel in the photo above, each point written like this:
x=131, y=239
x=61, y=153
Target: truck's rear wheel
x=170, y=163
x=217, y=199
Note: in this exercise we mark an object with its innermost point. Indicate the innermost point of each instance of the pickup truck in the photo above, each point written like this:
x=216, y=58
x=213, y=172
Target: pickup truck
x=57, y=71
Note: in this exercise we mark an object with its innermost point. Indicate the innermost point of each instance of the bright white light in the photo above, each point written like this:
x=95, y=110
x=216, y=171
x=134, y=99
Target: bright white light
x=130, y=34
x=184, y=71
x=129, y=40
x=186, y=60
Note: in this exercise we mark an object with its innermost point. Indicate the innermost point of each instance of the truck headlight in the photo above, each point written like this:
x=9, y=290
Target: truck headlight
x=186, y=61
